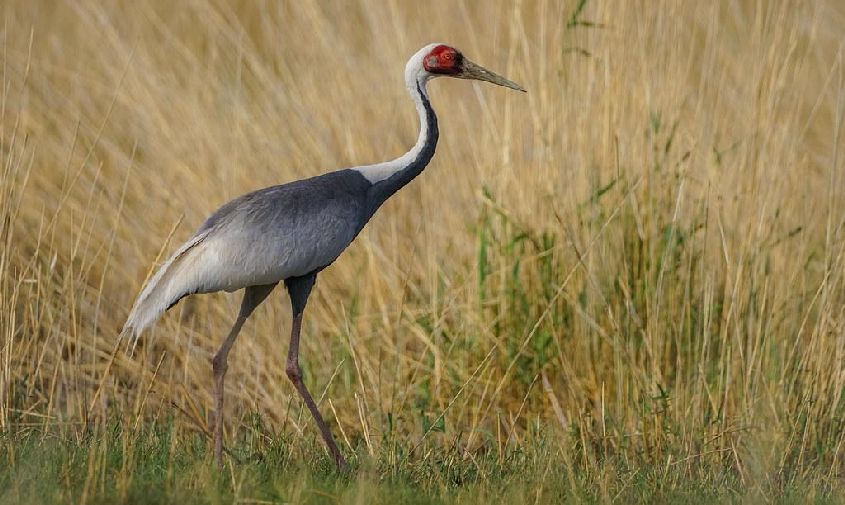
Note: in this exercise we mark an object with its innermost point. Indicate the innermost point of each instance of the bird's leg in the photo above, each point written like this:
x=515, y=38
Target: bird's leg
x=253, y=296
x=299, y=289
x=295, y=375
x=219, y=365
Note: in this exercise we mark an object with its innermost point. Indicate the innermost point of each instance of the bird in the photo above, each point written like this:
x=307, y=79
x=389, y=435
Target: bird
x=290, y=232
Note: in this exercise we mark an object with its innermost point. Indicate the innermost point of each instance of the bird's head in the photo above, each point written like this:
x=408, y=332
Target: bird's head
x=441, y=60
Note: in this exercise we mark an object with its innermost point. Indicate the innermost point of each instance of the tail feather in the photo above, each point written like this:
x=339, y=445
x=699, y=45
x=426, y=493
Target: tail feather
x=169, y=284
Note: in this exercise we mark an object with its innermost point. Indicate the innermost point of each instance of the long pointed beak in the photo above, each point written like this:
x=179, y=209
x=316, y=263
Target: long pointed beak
x=471, y=70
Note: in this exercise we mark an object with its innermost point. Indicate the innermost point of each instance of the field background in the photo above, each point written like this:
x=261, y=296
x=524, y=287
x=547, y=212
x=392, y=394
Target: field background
x=626, y=284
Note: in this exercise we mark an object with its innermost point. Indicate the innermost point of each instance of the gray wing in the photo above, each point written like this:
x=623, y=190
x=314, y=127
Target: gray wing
x=260, y=238
x=284, y=231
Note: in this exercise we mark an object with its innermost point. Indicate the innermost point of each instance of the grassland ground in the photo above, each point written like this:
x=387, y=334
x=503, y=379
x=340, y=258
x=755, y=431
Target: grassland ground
x=156, y=464
x=627, y=284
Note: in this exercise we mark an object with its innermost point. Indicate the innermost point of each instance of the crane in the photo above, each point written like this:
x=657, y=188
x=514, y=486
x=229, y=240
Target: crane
x=290, y=232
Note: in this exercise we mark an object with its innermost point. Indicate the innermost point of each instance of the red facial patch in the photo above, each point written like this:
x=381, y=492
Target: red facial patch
x=443, y=60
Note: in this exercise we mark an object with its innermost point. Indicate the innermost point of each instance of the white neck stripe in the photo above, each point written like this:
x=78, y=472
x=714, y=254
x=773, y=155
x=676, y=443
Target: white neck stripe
x=416, y=79
x=381, y=171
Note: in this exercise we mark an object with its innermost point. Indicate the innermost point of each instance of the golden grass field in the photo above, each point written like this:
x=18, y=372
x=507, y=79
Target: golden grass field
x=642, y=260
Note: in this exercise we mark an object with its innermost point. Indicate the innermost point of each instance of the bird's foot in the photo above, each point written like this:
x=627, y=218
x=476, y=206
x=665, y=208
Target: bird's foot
x=342, y=465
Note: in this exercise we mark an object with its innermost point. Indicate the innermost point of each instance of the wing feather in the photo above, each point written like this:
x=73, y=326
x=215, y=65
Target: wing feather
x=175, y=279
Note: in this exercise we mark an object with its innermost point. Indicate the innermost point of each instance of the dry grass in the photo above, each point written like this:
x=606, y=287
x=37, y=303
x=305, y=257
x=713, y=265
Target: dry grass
x=643, y=255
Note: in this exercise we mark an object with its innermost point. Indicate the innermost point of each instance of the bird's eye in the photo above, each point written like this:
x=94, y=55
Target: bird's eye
x=449, y=56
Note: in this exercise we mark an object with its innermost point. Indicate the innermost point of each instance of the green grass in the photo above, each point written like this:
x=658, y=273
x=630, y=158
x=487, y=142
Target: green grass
x=157, y=464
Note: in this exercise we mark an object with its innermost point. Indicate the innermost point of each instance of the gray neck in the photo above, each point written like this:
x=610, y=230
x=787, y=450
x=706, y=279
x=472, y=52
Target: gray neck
x=389, y=177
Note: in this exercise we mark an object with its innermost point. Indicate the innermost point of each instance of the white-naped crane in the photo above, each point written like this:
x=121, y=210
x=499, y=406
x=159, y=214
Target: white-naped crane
x=293, y=231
